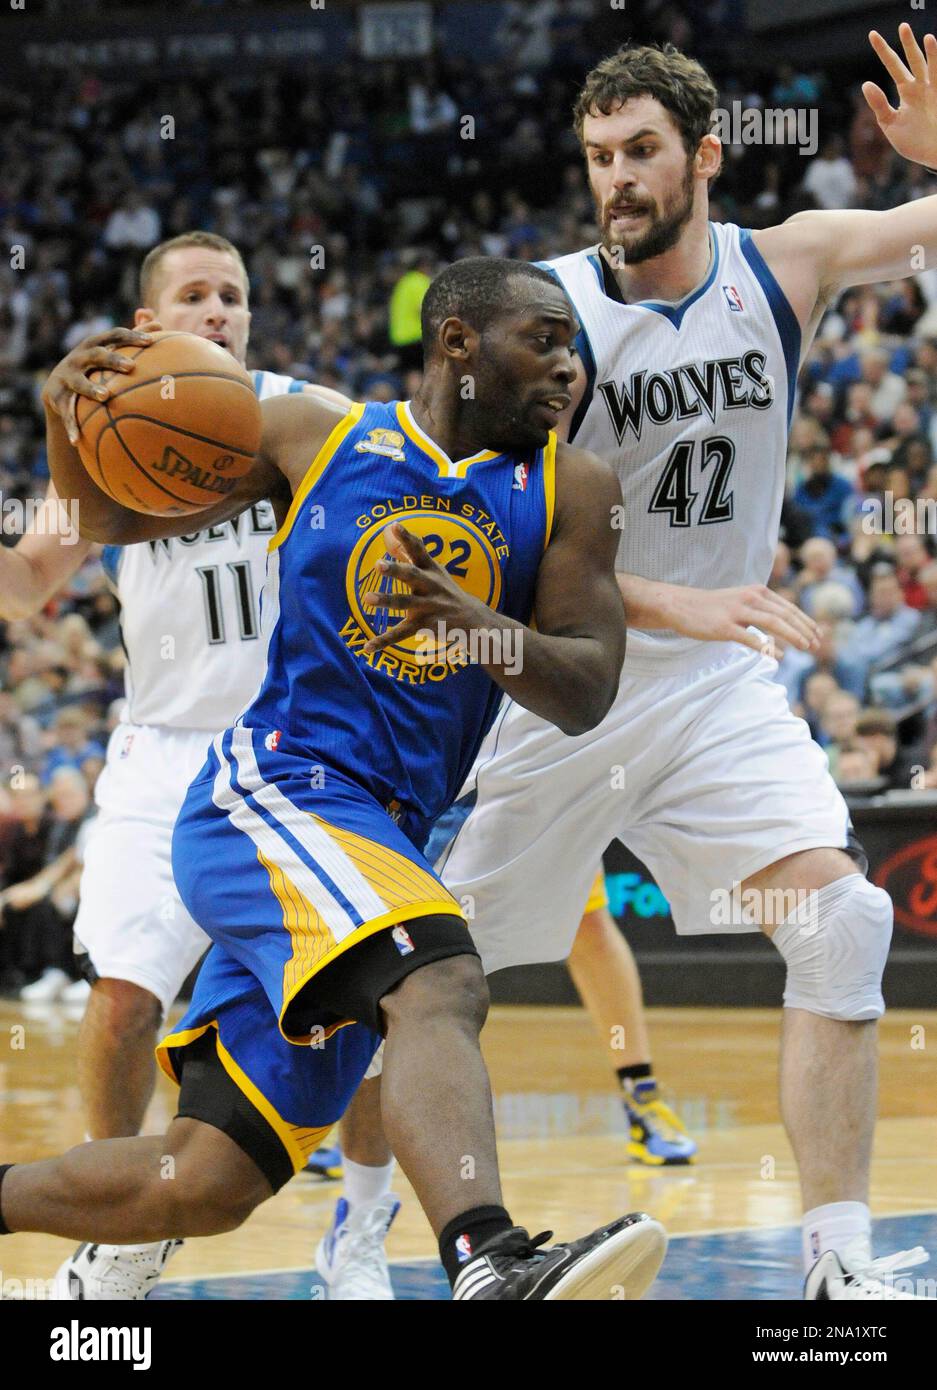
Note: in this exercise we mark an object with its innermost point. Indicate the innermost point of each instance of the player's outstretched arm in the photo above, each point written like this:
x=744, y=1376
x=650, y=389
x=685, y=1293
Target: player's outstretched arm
x=49, y=552
x=567, y=669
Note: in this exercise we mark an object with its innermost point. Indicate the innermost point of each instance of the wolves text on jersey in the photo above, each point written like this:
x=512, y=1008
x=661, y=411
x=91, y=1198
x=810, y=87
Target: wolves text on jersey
x=681, y=393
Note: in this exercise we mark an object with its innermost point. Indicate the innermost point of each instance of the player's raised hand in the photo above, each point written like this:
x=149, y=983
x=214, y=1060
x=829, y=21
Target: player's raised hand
x=730, y=615
x=912, y=127
x=434, y=595
x=69, y=379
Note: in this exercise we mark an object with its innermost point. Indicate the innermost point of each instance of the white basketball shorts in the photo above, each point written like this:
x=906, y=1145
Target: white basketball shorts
x=131, y=920
x=706, y=775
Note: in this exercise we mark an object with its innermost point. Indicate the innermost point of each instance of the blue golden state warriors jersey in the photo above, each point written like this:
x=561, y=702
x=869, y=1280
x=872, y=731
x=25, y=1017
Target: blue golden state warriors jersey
x=405, y=722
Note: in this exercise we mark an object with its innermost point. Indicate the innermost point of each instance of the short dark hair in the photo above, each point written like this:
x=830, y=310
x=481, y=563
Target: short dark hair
x=681, y=85
x=149, y=270
x=876, y=721
x=477, y=289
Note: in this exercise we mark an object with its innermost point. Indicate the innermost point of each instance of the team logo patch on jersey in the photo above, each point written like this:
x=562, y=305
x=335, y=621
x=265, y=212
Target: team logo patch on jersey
x=272, y=741
x=403, y=941
x=469, y=545
x=520, y=478
x=733, y=299
x=463, y=1249
x=387, y=443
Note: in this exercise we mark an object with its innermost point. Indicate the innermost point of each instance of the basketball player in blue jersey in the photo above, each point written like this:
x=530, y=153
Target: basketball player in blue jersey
x=692, y=335
x=190, y=620
x=298, y=846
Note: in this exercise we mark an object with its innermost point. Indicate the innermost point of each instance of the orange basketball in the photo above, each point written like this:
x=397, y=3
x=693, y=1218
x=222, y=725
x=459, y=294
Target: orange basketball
x=178, y=431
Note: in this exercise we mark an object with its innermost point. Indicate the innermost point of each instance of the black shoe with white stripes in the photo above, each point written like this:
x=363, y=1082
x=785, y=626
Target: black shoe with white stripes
x=618, y=1261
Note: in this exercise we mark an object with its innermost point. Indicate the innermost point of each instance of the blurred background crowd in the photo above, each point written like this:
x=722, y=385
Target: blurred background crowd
x=345, y=193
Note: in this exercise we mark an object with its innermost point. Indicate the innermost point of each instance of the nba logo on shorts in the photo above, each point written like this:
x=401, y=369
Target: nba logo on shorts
x=520, y=478
x=815, y=1244
x=733, y=298
x=403, y=940
x=272, y=741
x=463, y=1249
x=128, y=744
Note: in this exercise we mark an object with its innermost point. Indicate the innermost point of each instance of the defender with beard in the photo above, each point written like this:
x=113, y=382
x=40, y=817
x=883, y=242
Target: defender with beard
x=692, y=337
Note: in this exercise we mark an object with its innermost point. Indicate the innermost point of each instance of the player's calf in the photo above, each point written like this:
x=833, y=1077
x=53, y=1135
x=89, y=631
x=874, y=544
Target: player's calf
x=191, y=1181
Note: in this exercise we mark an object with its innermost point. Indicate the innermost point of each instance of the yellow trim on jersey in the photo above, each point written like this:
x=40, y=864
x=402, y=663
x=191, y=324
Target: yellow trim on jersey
x=389, y=919
x=549, y=483
x=443, y=462
x=298, y=1140
x=316, y=469
x=598, y=898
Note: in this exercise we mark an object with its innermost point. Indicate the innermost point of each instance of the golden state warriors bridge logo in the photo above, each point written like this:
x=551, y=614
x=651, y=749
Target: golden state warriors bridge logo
x=462, y=538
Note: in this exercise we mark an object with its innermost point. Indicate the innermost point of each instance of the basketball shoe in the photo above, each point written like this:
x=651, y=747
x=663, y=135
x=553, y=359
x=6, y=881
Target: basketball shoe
x=855, y=1275
x=351, y=1257
x=658, y=1136
x=325, y=1163
x=618, y=1261
x=118, y=1273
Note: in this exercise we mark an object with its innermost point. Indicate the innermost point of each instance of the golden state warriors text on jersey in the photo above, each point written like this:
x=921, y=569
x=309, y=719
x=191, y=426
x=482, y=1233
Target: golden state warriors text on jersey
x=406, y=721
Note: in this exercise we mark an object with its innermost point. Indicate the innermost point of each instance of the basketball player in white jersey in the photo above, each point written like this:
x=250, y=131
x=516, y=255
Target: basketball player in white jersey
x=191, y=632
x=692, y=337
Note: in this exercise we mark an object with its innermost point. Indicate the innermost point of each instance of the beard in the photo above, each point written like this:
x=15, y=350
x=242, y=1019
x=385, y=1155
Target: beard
x=665, y=226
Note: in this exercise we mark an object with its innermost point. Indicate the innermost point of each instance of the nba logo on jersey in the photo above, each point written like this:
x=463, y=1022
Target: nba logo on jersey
x=272, y=741
x=520, y=478
x=463, y=1249
x=403, y=941
x=733, y=298
x=815, y=1244
x=128, y=744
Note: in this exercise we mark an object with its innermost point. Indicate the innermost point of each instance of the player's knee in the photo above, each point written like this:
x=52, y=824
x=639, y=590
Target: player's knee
x=835, y=950
x=127, y=1010
x=454, y=988
x=207, y=1200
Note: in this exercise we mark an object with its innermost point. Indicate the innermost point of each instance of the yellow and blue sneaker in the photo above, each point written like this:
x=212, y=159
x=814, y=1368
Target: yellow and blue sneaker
x=326, y=1164
x=658, y=1136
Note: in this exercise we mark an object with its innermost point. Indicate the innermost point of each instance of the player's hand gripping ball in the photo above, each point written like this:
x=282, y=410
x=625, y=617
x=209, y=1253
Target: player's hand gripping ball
x=176, y=432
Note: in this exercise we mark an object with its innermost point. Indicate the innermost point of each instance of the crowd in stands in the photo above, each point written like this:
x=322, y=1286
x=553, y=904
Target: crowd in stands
x=346, y=191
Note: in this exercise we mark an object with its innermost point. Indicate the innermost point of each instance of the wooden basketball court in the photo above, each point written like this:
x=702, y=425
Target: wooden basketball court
x=732, y=1217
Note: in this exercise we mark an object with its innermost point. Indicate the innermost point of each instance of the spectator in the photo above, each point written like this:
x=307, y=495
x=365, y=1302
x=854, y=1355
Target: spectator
x=913, y=560
x=824, y=495
x=134, y=225
x=830, y=179
x=72, y=744
x=820, y=566
x=48, y=899
x=880, y=635
x=876, y=731
x=404, y=329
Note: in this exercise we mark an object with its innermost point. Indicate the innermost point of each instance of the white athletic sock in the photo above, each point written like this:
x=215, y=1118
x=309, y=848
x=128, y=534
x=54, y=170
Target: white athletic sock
x=365, y=1184
x=834, y=1227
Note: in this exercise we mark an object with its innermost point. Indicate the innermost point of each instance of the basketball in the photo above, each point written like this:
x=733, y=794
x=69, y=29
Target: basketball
x=178, y=432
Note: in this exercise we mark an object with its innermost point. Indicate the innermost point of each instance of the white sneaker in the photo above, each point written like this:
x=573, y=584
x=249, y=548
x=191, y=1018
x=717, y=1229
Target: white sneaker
x=351, y=1257
x=76, y=993
x=49, y=986
x=857, y=1276
x=120, y=1273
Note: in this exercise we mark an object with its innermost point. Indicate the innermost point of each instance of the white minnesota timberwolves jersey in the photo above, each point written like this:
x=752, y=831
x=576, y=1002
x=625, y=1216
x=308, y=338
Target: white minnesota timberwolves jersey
x=690, y=401
x=190, y=613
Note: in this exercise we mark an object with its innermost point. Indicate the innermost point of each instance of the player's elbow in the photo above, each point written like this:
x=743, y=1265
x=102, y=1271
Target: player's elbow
x=591, y=705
